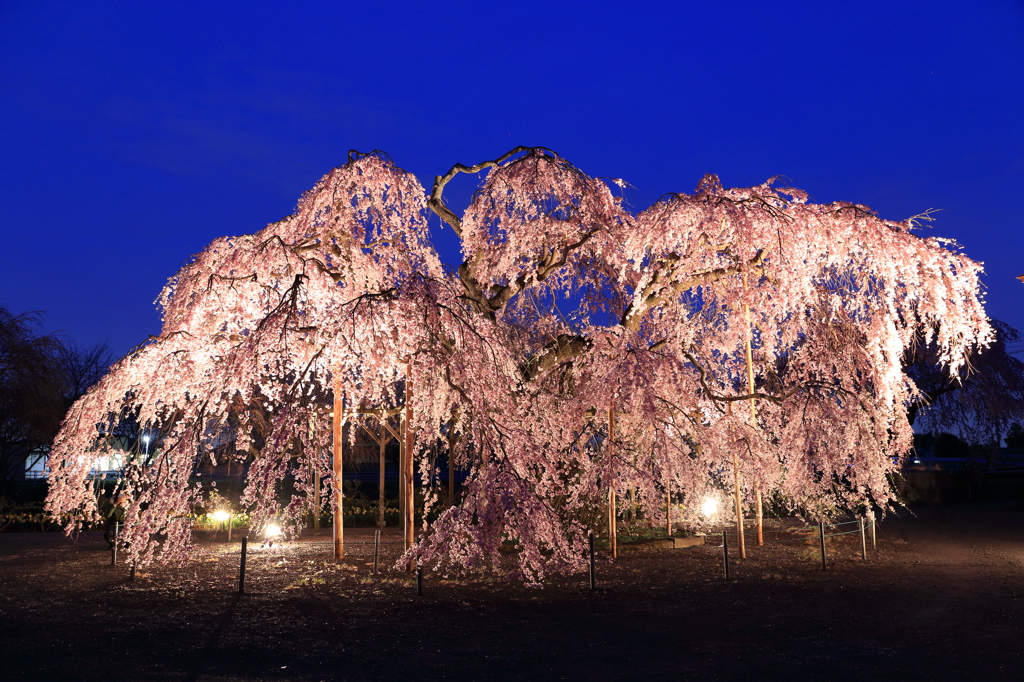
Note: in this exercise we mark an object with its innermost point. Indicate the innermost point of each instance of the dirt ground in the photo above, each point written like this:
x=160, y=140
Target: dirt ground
x=942, y=598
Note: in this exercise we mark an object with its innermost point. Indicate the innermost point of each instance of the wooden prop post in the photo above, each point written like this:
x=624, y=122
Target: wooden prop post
x=382, y=446
x=759, y=517
x=668, y=506
x=613, y=529
x=739, y=505
x=821, y=535
x=408, y=510
x=339, y=529
x=382, y=438
x=317, y=503
x=451, y=478
x=758, y=512
x=593, y=582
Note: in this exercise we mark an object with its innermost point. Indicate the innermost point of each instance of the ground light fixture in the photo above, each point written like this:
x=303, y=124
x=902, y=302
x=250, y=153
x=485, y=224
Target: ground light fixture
x=272, y=531
x=220, y=516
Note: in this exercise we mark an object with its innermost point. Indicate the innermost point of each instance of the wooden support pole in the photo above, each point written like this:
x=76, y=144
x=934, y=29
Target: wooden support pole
x=451, y=470
x=593, y=583
x=753, y=423
x=401, y=472
x=668, y=506
x=760, y=515
x=821, y=534
x=337, y=445
x=383, y=443
x=739, y=505
x=613, y=528
x=409, y=522
x=317, y=503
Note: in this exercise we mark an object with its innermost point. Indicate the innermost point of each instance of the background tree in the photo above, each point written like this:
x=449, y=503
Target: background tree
x=31, y=390
x=41, y=376
x=741, y=330
x=980, y=401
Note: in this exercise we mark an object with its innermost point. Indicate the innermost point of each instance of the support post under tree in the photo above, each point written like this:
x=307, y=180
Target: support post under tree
x=451, y=470
x=613, y=529
x=821, y=535
x=739, y=505
x=382, y=445
x=668, y=506
x=759, y=517
x=317, y=504
x=408, y=520
x=339, y=529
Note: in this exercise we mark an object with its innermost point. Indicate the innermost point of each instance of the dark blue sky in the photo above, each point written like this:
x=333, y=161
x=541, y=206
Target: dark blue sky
x=132, y=134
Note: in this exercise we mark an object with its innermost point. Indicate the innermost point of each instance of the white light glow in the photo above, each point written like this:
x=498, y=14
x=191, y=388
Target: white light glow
x=221, y=516
x=273, y=530
x=709, y=507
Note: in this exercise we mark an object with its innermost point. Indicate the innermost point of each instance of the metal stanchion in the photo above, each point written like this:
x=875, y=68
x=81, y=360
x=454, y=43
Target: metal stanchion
x=419, y=581
x=821, y=533
x=725, y=552
x=241, y=566
x=863, y=542
x=874, y=540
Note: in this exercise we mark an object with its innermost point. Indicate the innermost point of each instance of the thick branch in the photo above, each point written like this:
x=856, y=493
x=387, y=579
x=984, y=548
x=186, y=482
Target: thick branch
x=663, y=287
x=436, y=201
x=490, y=301
x=564, y=347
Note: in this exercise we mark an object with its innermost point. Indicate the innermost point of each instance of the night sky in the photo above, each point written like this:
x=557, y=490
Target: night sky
x=132, y=134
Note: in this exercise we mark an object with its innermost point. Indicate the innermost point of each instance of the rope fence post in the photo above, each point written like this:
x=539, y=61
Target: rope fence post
x=376, y=549
x=593, y=582
x=821, y=534
x=241, y=566
x=863, y=541
x=419, y=581
x=725, y=552
x=113, y=550
x=874, y=542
